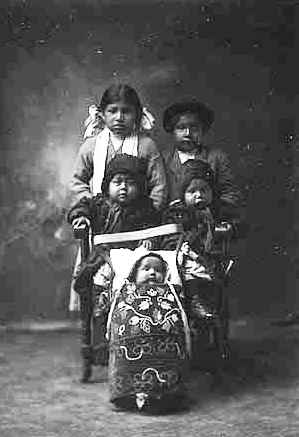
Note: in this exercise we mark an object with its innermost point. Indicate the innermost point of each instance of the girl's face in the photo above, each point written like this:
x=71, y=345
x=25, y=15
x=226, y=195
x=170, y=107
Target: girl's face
x=198, y=193
x=151, y=270
x=123, y=189
x=120, y=118
x=188, y=133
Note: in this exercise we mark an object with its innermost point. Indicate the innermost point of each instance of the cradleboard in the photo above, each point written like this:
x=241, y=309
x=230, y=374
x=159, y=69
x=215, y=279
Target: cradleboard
x=149, y=345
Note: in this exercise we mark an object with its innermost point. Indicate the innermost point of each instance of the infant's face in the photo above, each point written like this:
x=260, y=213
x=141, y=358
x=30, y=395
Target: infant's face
x=198, y=193
x=150, y=270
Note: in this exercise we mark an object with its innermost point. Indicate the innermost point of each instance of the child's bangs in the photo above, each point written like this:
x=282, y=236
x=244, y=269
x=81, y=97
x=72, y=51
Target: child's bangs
x=121, y=93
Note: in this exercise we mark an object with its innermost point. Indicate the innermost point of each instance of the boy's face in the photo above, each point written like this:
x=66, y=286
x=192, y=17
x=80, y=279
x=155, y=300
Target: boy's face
x=150, y=271
x=120, y=118
x=198, y=193
x=188, y=132
x=123, y=189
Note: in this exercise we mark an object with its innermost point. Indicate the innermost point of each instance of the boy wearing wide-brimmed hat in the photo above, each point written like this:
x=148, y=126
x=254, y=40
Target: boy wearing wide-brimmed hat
x=188, y=122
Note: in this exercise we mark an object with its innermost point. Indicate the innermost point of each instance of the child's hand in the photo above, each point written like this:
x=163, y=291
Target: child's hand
x=224, y=230
x=80, y=222
x=185, y=248
x=147, y=244
x=186, y=252
x=81, y=227
x=183, y=252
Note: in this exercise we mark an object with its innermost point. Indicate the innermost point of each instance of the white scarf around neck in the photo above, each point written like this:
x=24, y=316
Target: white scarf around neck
x=129, y=146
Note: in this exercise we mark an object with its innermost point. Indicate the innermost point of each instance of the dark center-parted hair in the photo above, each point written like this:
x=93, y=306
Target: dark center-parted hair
x=133, y=272
x=126, y=94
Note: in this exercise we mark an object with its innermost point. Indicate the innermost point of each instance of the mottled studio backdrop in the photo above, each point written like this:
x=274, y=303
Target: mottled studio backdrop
x=58, y=56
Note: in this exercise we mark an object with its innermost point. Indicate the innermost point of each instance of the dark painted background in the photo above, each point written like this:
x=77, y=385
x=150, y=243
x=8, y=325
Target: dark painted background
x=57, y=57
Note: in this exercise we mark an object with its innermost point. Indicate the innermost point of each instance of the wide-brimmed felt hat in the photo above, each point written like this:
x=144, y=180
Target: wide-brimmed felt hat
x=126, y=164
x=205, y=115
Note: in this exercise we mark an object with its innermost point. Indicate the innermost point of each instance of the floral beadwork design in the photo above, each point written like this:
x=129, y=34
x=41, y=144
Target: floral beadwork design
x=148, y=308
x=147, y=342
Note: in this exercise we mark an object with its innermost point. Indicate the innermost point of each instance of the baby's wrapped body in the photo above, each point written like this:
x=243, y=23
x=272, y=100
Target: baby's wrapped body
x=149, y=346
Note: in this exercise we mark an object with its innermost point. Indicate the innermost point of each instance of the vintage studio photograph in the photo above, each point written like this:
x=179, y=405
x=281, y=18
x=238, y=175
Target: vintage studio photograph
x=149, y=183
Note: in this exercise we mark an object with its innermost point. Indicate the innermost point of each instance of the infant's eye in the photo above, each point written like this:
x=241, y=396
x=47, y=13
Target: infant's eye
x=116, y=181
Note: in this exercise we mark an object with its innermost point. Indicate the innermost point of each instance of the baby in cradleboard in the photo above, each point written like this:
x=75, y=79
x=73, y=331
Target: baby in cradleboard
x=149, y=340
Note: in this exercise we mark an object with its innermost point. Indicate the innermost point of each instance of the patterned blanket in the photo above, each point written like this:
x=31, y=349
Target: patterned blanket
x=149, y=344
